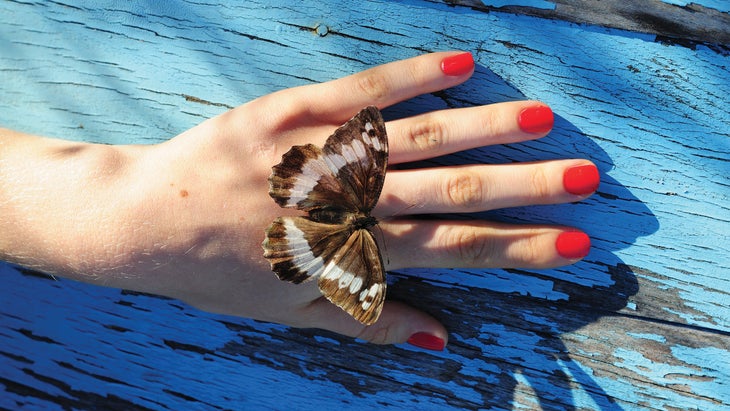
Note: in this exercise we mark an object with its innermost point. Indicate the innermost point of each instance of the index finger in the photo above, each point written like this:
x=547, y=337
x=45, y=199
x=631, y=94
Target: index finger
x=388, y=84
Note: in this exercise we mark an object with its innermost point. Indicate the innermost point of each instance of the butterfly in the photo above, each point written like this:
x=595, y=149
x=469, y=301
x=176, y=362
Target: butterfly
x=337, y=185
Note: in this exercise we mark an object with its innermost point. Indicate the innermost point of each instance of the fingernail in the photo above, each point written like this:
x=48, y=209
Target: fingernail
x=536, y=119
x=458, y=64
x=581, y=179
x=427, y=341
x=573, y=245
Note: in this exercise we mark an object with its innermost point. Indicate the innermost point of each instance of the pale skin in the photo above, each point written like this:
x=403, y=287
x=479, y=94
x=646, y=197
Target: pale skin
x=186, y=218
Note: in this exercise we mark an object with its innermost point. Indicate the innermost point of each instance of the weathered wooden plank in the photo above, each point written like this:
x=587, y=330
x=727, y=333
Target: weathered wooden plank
x=643, y=323
x=694, y=22
x=556, y=348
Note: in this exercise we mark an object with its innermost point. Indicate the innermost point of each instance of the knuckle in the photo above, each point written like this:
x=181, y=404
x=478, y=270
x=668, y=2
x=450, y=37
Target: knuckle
x=539, y=185
x=375, y=334
x=529, y=251
x=469, y=246
x=464, y=190
x=493, y=123
x=427, y=135
x=373, y=84
x=415, y=73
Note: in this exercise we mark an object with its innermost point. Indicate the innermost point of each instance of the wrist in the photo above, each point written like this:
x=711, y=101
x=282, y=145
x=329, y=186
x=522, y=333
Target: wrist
x=59, y=203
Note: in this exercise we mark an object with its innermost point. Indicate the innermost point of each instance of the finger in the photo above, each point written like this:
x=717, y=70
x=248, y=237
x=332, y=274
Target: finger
x=398, y=323
x=479, y=244
x=448, y=131
x=463, y=189
x=387, y=84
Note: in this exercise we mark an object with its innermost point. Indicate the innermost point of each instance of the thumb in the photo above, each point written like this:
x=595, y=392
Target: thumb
x=398, y=323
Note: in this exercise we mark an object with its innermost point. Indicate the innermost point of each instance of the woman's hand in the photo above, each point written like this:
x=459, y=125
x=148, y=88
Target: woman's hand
x=186, y=218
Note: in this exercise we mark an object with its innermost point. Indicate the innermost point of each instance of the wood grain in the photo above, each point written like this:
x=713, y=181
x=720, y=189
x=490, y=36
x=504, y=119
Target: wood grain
x=642, y=323
x=704, y=22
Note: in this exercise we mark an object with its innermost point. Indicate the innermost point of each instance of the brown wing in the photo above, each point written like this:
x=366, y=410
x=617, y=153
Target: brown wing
x=347, y=174
x=354, y=280
x=297, y=247
x=332, y=184
x=345, y=259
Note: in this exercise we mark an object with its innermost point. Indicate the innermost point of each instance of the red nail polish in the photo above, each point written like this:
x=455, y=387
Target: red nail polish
x=536, y=119
x=581, y=179
x=427, y=341
x=573, y=245
x=458, y=64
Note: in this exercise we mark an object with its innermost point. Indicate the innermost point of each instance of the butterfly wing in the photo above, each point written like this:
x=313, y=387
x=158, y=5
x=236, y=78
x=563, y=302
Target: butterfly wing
x=347, y=174
x=354, y=279
x=337, y=185
x=298, y=247
x=346, y=261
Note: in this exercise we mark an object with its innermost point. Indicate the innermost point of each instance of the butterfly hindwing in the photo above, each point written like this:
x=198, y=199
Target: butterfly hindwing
x=298, y=247
x=345, y=260
x=354, y=279
x=337, y=185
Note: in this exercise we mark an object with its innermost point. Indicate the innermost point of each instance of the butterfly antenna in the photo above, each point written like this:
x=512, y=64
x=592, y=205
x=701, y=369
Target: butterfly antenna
x=385, y=245
x=380, y=230
x=403, y=210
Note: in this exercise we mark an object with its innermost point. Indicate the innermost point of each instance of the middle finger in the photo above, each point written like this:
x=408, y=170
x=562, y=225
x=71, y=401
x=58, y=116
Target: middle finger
x=475, y=188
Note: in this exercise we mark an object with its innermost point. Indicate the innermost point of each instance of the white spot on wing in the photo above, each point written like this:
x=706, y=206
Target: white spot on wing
x=345, y=279
x=355, y=285
x=376, y=144
x=350, y=154
x=310, y=267
x=335, y=162
x=353, y=153
x=331, y=271
x=304, y=182
x=367, y=296
x=359, y=148
x=298, y=246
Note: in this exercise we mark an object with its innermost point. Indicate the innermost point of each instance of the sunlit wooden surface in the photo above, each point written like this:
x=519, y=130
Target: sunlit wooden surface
x=642, y=323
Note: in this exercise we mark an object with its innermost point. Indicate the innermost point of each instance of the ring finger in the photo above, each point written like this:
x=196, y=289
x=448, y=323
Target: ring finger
x=480, y=244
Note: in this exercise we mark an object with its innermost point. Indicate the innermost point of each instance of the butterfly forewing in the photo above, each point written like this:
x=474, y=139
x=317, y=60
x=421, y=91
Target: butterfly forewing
x=337, y=186
x=348, y=173
x=362, y=144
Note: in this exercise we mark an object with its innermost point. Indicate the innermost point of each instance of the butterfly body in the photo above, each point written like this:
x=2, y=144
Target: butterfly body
x=337, y=185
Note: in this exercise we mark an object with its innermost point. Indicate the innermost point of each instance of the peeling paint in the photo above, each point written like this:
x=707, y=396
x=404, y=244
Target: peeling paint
x=538, y=4
x=719, y=5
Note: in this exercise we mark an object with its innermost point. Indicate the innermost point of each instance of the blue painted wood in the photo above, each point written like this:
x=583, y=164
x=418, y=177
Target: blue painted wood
x=642, y=323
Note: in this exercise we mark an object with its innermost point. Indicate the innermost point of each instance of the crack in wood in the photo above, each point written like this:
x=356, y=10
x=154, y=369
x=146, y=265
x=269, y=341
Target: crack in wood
x=685, y=26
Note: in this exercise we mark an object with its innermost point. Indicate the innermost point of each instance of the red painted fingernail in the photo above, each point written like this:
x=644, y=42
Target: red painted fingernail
x=536, y=119
x=458, y=64
x=581, y=179
x=427, y=341
x=573, y=245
